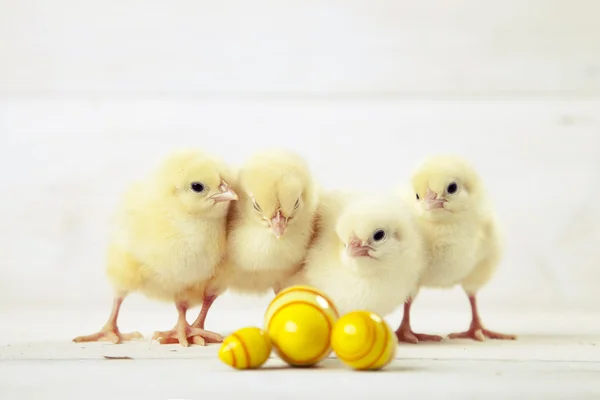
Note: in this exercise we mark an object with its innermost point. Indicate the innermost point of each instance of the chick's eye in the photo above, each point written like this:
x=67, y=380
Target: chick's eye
x=297, y=204
x=197, y=187
x=452, y=188
x=418, y=196
x=379, y=235
x=256, y=206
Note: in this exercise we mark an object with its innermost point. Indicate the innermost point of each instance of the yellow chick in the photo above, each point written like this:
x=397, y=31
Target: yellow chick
x=271, y=224
x=461, y=236
x=368, y=254
x=170, y=238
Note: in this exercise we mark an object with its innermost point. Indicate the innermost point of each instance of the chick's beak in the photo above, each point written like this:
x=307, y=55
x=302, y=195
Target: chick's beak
x=278, y=224
x=432, y=202
x=226, y=193
x=356, y=248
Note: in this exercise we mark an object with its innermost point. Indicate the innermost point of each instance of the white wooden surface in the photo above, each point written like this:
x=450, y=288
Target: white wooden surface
x=557, y=356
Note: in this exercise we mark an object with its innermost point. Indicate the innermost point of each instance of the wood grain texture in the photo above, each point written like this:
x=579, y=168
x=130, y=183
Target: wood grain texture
x=546, y=362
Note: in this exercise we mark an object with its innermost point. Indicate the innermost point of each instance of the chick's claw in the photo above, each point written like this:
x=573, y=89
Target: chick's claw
x=186, y=334
x=198, y=340
x=479, y=333
x=408, y=336
x=109, y=334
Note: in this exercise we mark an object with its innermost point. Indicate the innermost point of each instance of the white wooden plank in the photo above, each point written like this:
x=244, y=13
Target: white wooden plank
x=194, y=379
x=555, y=363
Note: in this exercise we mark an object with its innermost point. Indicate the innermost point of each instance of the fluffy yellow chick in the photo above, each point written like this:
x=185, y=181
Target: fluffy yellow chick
x=461, y=236
x=271, y=224
x=273, y=221
x=170, y=238
x=368, y=253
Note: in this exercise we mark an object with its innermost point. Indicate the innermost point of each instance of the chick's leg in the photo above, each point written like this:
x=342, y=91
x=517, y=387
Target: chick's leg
x=199, y=323
x=206, y=304
x=110, y=331
x=404, y=332
x=182, y=331
x=477, y=331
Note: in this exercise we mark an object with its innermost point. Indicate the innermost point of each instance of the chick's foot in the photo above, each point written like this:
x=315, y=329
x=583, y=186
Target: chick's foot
x=109, y=333
x=182, y=331
x=195, y=333
x=479, y=333
x=184, y=334
x=405, y=334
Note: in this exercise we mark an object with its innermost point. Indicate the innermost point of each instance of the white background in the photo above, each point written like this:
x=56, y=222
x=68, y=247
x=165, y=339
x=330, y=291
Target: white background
x=92, y=93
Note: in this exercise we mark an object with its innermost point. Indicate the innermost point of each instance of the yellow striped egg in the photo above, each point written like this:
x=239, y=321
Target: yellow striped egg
x=363, y=341
x=247, y=348
x=299, y=321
